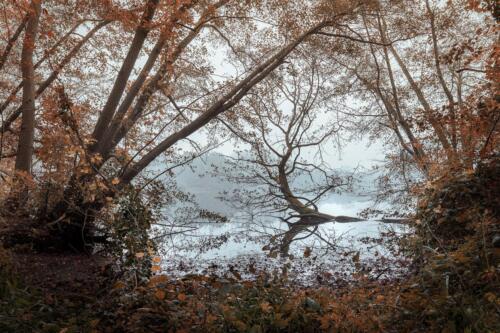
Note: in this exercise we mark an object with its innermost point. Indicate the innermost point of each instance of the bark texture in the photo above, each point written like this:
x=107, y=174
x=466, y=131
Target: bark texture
x=26, y=136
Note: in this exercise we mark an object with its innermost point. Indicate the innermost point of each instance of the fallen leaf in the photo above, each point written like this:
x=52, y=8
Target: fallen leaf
x=119, y=285
x=211, y=318
x=307, y=252
x=156, y=259
x=160, y=294
x=157, y=279
x=266, y=307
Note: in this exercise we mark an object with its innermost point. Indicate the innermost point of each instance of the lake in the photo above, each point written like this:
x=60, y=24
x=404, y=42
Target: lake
x=333, y=253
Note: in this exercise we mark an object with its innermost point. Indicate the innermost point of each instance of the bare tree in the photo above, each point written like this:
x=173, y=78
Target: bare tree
x=283, y=170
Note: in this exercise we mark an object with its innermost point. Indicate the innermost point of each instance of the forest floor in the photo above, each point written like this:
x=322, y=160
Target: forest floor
x=61, y=272
x=76, y=293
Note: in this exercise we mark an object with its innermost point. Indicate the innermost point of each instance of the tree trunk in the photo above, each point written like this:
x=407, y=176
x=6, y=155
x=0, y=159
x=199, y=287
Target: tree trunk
x=123, y=75
x=26, y=136
x=52, y=77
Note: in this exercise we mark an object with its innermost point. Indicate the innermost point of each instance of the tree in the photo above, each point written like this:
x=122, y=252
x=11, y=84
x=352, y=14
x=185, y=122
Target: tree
x=26, y=135
x=422, y=70
x=112, y=142
x=285, y=132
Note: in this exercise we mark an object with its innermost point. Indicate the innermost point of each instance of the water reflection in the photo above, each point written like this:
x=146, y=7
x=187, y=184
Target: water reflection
x=335, y=249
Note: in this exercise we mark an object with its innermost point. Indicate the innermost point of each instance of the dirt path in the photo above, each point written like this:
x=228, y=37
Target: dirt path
x=69, y=274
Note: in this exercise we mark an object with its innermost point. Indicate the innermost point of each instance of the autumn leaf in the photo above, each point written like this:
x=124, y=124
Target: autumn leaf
x=181, y=297
x=160, y=294
x=156, y=259
x=119, y=285
x=157, y=279
x=280, y=322
x=211, y=318
x=490, y=297
x=241, y=326
x=325, y=322
x=266, y=307
x=307, y=252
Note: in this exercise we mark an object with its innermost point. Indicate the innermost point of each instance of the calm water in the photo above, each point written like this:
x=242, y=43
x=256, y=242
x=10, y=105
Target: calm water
x=337, y=250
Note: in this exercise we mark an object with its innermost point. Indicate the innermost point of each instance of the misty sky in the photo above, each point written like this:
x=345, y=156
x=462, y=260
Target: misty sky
x=361, y=152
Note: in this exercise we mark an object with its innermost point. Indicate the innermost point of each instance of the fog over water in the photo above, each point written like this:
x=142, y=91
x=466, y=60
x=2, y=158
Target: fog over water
x=216, y=248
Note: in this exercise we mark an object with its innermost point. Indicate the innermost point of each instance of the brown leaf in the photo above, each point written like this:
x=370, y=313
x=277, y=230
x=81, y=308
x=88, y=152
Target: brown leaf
x=307, y=252
x=157, y=279
x=160, y=294
x=266, y=307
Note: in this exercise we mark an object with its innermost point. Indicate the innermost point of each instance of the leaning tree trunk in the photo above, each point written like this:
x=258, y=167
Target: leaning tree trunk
x=12, y=41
